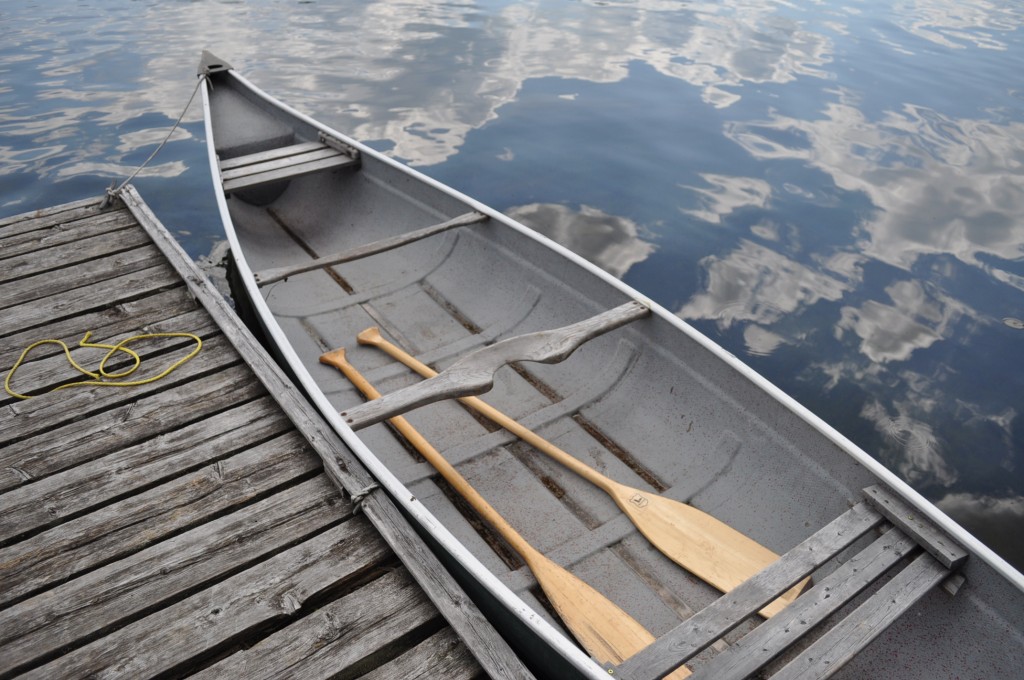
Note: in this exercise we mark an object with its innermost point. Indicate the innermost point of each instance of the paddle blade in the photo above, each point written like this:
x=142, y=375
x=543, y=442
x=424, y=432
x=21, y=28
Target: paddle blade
x=706, y=547
x=609, y=634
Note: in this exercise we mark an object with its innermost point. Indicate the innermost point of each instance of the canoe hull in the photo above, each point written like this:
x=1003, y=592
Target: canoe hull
x=708, y=430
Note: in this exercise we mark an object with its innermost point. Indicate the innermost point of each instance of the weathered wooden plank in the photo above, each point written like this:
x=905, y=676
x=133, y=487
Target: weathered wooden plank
x=81, y=440
x=127, y=526
x=50, y=283
x=65, y=494
x=492, y=653
x=474, y=374
x=267, y=592
x=46, y=217
x=914, y=524
x=272, y=275
x=347, y=636
x=280, y=162
x=156, y=354
x=38, y=627
x=76, y=253
x=683, y=642
x=288, y=172
x=442, y=655
x=109, y=223
x=340, y=464
x=108, y=322
x=89, y=298
x=835, y=648
x=772, y=637
x=261, y=156
x=25, y=418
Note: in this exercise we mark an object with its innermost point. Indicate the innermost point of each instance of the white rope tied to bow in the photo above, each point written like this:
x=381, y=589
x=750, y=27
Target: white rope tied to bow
x=112, y=192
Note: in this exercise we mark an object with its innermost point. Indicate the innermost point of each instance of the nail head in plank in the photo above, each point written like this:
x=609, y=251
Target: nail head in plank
x=774, y=636
x=928, y=536
x=836, y=647
x=687, y=639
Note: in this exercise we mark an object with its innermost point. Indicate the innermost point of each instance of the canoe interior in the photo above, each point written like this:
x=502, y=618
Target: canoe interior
x=647, y=404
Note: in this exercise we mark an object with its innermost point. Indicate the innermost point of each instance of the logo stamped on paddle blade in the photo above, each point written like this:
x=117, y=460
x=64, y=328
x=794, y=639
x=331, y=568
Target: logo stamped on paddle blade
x=639, y=500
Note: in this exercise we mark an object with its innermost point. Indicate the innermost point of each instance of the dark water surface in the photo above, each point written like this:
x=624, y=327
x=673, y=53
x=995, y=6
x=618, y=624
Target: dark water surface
x=832, y=191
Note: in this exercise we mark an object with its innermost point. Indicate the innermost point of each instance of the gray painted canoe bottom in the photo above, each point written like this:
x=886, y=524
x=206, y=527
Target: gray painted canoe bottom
x=651, y=404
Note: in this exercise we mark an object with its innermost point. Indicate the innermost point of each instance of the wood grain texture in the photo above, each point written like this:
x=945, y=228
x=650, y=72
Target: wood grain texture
x=834, y=649
x=47, y=217
x=90, y=298
x=78, y=256
x=49, y=500
x=70, y=613
x=120, y=426
x=113, y=320
x=913, y=523
x=156, y=354
x=348, y=636
x=711, y=623
x=442, y=655
x=474, y=373
x=268, y=593
x=749, y=654
x=127, y=526
x=45, y=413
x=66, y=232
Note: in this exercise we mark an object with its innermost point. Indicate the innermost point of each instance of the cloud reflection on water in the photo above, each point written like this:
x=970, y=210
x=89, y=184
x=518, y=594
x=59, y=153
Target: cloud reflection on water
x=940, y=185
x=612, y=243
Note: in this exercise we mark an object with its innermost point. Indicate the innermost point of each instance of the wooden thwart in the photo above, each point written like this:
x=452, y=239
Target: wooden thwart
x=474, y=374
x=847, y=638
x=269, y=276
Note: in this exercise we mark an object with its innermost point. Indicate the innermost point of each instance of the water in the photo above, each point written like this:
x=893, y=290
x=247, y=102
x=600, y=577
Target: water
x=832, y=191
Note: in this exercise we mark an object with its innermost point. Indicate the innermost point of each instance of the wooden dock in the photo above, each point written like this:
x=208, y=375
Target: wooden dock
x=191, y=526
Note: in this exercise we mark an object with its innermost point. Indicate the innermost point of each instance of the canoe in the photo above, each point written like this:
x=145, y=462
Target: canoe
x=623, y=470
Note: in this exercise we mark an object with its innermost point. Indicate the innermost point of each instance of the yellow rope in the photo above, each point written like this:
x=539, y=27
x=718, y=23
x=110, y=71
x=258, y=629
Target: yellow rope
x=102, y=373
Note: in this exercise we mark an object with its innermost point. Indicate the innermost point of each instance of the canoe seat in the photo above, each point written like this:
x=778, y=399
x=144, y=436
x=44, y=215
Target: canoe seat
x=911, y=552
x=474, y=373
x=244, y=172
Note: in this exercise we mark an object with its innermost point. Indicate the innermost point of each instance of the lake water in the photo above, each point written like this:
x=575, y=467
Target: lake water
x=832, y=191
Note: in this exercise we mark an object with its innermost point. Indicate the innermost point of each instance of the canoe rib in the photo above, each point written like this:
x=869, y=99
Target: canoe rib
x=474, y=374
x=269, y=276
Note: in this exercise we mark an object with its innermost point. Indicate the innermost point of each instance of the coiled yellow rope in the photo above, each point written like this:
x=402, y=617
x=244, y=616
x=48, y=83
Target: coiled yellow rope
x=102, y=376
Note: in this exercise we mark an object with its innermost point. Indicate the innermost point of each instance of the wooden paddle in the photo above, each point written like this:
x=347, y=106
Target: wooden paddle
x=609, y=634
x=696, y=541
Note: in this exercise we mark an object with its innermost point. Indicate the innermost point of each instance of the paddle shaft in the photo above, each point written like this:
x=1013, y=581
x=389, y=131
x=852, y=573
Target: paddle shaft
x=608, y=634
x=372, y=336
x=432, y=456
x=696, y=541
